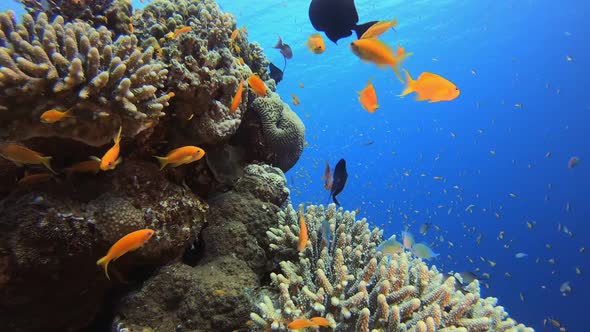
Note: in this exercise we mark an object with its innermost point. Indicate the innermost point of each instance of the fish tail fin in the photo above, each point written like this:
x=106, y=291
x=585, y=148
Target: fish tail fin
x=47, y=163
x=104, y=262
x=118, y=137
x=279, y=43
x=398, y=63
x=163, y=161
x=335, y=200
x=409, y=85
x=362, y=28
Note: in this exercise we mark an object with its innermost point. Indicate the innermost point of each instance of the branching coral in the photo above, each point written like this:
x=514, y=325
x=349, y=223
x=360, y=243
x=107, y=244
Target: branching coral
x=52, y=65
x=114, y=14
x=344, y=278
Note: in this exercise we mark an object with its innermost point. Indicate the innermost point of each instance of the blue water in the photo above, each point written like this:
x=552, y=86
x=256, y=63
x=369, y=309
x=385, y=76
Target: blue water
x=499, y=53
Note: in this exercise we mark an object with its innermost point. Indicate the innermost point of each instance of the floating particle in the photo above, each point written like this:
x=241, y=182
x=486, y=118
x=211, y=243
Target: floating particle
x=548, y=155
x=473, y=72
x=518, y=105
x=498, y=216
x=551, y=261
x=501, y=235
x=521, y=255
x=492, y=263
x=507, y=275
x=521, y=296
x=573, y=161
x=438, y=178
x=513, y=195
x=568, y=58
x=578, y=270
x=453, y=135
x=435, y=59
x=565, y=288
x=493, y=152
x=531, y=224
x=582, y=249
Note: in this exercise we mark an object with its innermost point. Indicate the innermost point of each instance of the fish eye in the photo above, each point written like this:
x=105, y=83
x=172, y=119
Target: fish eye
x=149, y=233
x=456, y=88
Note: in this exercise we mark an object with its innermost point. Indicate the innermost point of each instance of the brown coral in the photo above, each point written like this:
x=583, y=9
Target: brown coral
x=72, y=66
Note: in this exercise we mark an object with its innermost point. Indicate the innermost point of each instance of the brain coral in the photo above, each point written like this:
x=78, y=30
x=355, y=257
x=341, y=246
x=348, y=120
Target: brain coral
x=343, y=278
x=273, y=132
x=73, y=66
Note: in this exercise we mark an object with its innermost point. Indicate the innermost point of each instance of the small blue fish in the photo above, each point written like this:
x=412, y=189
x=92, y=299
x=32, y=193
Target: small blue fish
x=521, y=255
x=423, y=251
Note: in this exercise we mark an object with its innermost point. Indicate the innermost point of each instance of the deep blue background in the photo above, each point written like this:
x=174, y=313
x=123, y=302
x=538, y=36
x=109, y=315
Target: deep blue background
x=517, y=50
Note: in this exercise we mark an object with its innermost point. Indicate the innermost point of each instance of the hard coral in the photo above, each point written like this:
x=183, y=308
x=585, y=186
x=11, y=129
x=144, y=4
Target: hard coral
x=114, y=14
x=73, y=66
x=52, y=234
x=273, y=132
x=348, y=281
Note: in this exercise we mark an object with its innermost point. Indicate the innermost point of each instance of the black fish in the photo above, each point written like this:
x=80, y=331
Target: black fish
x=275, y=73
x=285, y=49
x=336, y=18
x=339, y=181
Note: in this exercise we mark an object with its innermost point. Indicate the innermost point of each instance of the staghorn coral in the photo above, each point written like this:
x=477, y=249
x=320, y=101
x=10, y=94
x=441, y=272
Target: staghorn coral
x=274, y=132
x=351, y=284
x=114, y=14
x=73, y=66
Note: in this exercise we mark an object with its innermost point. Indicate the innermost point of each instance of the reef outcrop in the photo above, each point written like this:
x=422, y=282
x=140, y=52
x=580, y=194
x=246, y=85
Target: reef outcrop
x=215, y=293
x=51, y=235
x=341, y=276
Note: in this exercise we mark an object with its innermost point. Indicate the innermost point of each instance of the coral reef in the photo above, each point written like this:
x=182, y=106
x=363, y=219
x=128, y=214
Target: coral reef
x=204, y=74
x=274, y=131
x=52, y=234
x=114, y=14
x=233, y=256
x=341, y=276
x=73, y=66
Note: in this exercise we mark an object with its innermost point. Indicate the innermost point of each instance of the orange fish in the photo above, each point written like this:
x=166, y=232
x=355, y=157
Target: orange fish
x=378, y=28
x=327, y=176
x=300, y=323
x=295, y=99
x=257, y=85
x=178, y=32
x=302, y=232
x=184, y=155
x=88, y=166
x=54, y=115
x=237, y=98
x=21, y=155
x=320, y=321
x=234, y=34
x=316, y=44
x=29, y=179
x=127, y=243
x=400, y=50
x=431, y=86
x=376, y=51
x=111, y=158
x=368, y=97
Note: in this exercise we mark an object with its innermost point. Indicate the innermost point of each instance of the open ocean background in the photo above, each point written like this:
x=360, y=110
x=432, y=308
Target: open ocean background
x=500, y=54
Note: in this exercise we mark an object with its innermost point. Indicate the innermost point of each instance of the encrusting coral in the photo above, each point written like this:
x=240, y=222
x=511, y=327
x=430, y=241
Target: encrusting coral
x=73, y=66
x=341, y=276
x=193, y=38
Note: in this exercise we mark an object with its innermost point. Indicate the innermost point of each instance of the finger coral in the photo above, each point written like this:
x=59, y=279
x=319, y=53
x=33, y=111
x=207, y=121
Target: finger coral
x=104, y=84
x=341, y=276
x=114, y=14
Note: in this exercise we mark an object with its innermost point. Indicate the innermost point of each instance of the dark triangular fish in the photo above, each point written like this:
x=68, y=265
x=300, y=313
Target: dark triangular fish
x=339, y=181
x=284, y=48
x=336, y=18
x=275, y=73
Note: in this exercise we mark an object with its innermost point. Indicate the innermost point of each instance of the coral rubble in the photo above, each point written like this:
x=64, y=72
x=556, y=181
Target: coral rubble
x=341, y=276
